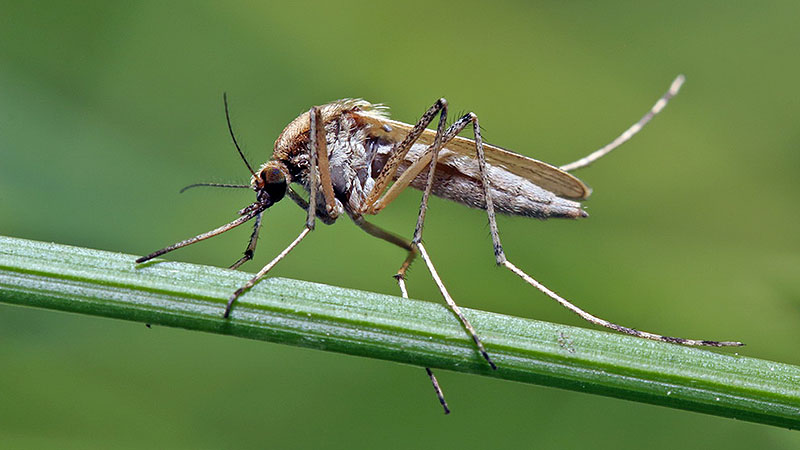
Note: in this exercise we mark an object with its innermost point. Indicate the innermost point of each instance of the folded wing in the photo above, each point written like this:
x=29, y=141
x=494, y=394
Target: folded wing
x=542, y=174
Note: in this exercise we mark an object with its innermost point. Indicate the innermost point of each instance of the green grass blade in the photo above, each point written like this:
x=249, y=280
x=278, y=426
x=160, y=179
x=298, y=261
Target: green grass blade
x=317, y=316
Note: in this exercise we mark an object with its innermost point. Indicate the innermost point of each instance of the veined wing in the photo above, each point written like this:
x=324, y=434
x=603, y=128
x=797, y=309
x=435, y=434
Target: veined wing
x=542, y=174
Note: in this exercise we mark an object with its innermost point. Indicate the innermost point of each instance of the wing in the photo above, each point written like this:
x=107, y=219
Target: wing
x=542, y=174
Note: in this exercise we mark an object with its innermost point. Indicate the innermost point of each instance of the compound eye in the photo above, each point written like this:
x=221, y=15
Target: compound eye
x=274, y=183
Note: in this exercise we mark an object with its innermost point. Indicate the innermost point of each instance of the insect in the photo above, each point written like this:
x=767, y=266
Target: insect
x=354, y=160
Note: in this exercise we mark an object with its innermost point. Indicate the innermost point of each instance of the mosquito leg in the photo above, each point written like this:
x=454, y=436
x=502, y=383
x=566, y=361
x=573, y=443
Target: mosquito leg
x=408, y=175
x=399, y=152
x=453, y=306
x=417, y=239
x=264, y=271
x=503, y=261
x=415, y=169
x=320, y=149
x=297, y=198
x=602, y=322
x=303, y=204
x=251, y=246
x=316, y=129
x=313, y=178
x=405, y=179
x=434, y=150
x=442, y=137
x=630, y=132
x=436, y=388
x=388, y=236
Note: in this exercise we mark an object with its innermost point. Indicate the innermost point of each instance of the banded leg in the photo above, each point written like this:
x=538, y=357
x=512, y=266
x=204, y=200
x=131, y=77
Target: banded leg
x=630, y=132
x=388, y=236
x=434, y=382
x=395, y=157
x=411, y=173
x=417, y=239
x=397, y=154
x=438, y=390
x=503, y=261
x=414, y=170
x=317, y=145
x=251, y=246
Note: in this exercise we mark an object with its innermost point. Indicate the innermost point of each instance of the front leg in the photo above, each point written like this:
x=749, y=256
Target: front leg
x=250, y=251
x=316, y=146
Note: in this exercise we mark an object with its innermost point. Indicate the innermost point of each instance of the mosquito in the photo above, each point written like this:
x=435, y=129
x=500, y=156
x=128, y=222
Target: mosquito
x=353, y=160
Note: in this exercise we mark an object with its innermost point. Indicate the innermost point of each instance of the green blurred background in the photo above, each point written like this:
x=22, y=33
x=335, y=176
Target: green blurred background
x=108, y=108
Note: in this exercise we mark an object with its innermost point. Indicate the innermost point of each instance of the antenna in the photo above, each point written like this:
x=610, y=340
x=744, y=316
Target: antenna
x=230, y=128
x=223, y=185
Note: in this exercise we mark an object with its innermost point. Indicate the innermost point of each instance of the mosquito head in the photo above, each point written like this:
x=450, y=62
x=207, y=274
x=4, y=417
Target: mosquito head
x=271, y=182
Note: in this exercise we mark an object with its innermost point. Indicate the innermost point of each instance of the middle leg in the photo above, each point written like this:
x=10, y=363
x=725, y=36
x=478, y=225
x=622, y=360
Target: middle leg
x=388, y=236
x=442, y=137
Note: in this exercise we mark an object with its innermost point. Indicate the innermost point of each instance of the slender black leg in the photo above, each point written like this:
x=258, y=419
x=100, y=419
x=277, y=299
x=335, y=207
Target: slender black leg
x=250, y=251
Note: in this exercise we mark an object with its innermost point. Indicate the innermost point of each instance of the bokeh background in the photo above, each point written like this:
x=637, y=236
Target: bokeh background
x=108, y=108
